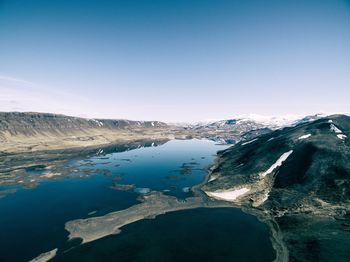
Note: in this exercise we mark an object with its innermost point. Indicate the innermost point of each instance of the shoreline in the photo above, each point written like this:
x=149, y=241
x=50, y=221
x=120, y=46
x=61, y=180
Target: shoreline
x=156, y=203
x=152, y=205
x=276, y=237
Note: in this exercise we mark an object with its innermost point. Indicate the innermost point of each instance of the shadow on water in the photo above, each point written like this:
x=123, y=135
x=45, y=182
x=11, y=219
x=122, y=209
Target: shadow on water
x=219, y=234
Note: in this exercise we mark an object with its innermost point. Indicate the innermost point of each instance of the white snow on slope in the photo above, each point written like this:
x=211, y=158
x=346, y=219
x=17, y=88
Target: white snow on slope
x=341, y=136
x=251, y=141
x=304, y=136
x=152, y=123
x=99, y=123
x=272, y=122
x=277, y=164
x=335, y=129
x=266, y=196
x=212, y=179
x=280, y=121
x=230, y=195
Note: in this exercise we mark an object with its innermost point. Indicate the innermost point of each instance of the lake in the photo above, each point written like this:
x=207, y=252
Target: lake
x=32, y=220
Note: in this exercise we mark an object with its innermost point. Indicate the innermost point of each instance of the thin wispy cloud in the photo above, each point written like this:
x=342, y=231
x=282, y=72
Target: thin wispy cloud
x=17, y=94
x=10, y=79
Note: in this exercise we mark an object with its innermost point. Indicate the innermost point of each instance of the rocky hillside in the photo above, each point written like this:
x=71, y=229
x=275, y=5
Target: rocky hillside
x=244, y=128
x=33, y=123
x=229, y=131
x=300, y=177
x=28, y=132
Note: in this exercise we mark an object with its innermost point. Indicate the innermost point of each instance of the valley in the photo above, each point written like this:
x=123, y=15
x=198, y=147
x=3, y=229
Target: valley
x=294, y=179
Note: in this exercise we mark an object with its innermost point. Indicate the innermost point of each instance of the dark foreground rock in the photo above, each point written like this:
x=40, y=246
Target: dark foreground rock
x=299, y=178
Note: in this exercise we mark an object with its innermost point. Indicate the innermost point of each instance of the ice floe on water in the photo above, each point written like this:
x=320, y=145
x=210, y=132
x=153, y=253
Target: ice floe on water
x=229, y=195
x=186, y=189
x=142, y=190
x=276, y=164
x=304, y=136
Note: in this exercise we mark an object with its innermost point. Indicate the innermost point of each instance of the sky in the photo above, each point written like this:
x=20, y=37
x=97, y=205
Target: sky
x=175, y=61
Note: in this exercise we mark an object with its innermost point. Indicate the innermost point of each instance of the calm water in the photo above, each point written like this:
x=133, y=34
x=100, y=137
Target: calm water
x=220, y=234
x=32, y=220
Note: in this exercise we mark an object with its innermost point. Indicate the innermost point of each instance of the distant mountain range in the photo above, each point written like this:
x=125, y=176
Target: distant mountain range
x=34, y=123
x=20, y=132
x=245, y=127
x=271, y=122
x=293, y=173
x=27, y=132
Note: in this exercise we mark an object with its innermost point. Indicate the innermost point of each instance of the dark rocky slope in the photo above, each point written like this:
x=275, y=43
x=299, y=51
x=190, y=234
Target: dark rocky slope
x=298, y=177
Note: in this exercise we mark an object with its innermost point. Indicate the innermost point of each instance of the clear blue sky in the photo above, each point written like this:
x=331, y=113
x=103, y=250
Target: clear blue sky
x=179, y=60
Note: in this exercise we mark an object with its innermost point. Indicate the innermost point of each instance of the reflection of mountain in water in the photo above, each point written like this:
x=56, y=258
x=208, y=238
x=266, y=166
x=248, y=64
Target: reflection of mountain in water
x=24, y=168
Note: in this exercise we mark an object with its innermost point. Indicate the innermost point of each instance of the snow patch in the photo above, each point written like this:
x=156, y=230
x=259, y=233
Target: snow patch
x=251, y=141
x=230, y=195
x=341, y=136
x=152, y=123
x=99, y=123
x=335, y=129
x=278, y=163
x=212, y=179
x=304, y=136
x=266, y=196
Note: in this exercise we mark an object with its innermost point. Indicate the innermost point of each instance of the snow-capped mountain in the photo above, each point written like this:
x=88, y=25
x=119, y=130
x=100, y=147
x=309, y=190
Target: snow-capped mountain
x=246, y=127
x=272, y=122
x=300, y=177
